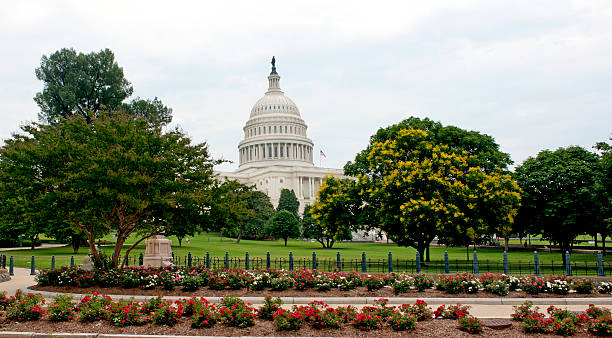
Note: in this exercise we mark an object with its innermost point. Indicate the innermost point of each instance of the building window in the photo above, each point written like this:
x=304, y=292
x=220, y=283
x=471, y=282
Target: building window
x=285, y=129
x=281, y=180
x=274, y=129
x=275, y=151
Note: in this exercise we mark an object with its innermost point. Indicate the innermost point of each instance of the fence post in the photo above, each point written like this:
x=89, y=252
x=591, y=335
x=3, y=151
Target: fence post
x=536, y=263
x=227, y=260
x=32, y=266
x=314, y=260
x=52, y=262
x=505, y=263
x=72, y=261
x=290, y=261
x=189, y=259
x=390, y=262
x=338, y=264
x=207, y=260
x=268, y=260
x=11, y=273
x=140, y=259
x=246, y=261
x=568, y=264
x=173, y=258
x=446, y=268
x=364, y=268
x=418, y=262
x=600, y=267
x=475, y=263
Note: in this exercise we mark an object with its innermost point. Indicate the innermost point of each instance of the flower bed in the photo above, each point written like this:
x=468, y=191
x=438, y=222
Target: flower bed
x=219, y=282
x=232, y=316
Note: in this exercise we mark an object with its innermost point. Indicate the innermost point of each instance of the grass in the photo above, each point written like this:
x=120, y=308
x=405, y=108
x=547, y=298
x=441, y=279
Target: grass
x=217, y=247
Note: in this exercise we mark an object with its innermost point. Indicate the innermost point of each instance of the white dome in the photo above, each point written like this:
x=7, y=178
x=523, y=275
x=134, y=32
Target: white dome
x=274, y=102
x=275, y=133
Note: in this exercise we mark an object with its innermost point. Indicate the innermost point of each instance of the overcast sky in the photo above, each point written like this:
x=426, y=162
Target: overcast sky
x=533, y=74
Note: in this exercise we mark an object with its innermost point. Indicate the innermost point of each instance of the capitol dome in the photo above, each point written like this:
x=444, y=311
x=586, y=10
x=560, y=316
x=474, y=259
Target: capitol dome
x=275, y=131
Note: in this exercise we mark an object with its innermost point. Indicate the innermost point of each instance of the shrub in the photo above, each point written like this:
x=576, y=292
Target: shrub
x=347, y=314
x=304, y=279
x=125, y=313
x=419, y=310
x=93, y=307
x=281, y=283
x=323, y=282
x=192, y=283
x=151, y=305
x=288, y=320
x=560, y=314
x=26, y=307
x=601, y=325
x=524, y=310
x=270, y=306
x=402, y=285
x=564, y=327
x=423, y=282
x=498, y=287
x=237, y=280
x=400, y=321
x=560, y=286
x=488, y=278
x=192, y=305
x=535, y=323
x=469, y=324
x=327, y=318
x=168, y=314
x=584, y=286
x=206, y=316
x=373, y=282
x=349, y=281
x=5, y=301
x=367, y=322
x=452, y=311
x=61, y=309
x=235, y=313
x=604, y=287
x=534, y=285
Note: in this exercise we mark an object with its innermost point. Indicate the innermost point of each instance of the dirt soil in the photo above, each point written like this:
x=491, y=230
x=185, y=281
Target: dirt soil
x=432, y=328
x=358, y=292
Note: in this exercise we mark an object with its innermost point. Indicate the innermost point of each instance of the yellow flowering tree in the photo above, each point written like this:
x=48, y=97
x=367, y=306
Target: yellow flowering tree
x=335, y=212
x=418, y=180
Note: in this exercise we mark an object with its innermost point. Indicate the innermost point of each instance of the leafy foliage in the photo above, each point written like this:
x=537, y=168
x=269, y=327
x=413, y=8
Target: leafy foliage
x=419, y=180
x=288, y=201
x=284, y=225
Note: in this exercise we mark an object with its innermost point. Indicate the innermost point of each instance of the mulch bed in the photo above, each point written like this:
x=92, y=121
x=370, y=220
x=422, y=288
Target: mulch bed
x=432, y=328
x=358, y=292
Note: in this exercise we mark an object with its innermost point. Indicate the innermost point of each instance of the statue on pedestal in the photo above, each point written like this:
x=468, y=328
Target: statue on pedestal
x=158, y=252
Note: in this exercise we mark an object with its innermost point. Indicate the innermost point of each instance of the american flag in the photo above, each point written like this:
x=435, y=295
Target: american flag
x=322, y=153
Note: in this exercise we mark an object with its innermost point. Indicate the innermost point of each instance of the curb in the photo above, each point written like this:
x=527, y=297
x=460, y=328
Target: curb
x=370, y=300
x=10, y=334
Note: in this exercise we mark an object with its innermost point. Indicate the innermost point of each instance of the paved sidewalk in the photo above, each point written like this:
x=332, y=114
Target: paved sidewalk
x=42, y=246
x=21, y=280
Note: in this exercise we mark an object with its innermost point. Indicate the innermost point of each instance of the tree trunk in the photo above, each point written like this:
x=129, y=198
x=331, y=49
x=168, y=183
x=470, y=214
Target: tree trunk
x=603, y=244
x=117, y=251
x=75, y=241
x=421, y=250
x=127, y=252
x=595, y=239
x=180, y=239
x=427, y=257
x=285, y=242
x=239, y=235
x=506, y=240
x=467, y=252
x=32, y=243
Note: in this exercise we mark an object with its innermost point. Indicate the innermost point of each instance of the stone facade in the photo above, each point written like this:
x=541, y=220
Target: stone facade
x=276, y=153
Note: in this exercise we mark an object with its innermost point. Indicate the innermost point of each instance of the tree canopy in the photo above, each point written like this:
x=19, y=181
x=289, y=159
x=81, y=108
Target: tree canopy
x=419, y=179
x=336, y=211
x=284, y=226
x=288, y=201
x=558, y=198
x=112, y=174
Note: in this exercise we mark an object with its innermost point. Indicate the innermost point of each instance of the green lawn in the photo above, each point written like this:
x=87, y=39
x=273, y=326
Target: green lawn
x=217, y=247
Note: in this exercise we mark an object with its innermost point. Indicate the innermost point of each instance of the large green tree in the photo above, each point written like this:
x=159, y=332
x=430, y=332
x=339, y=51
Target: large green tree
x=87, y=84
x=604, y=190
x=284, y=226
x=336, y=211
x=115, y=174
x=261, y=212
x=558, y=194
x=80, y=84
x=419, y=179
x=288, y=201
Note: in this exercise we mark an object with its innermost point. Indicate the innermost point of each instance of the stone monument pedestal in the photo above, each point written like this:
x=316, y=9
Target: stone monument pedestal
x=158, y=252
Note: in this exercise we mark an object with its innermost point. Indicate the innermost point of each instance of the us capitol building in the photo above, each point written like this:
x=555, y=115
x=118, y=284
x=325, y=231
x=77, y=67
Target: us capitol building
x=276, y=153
